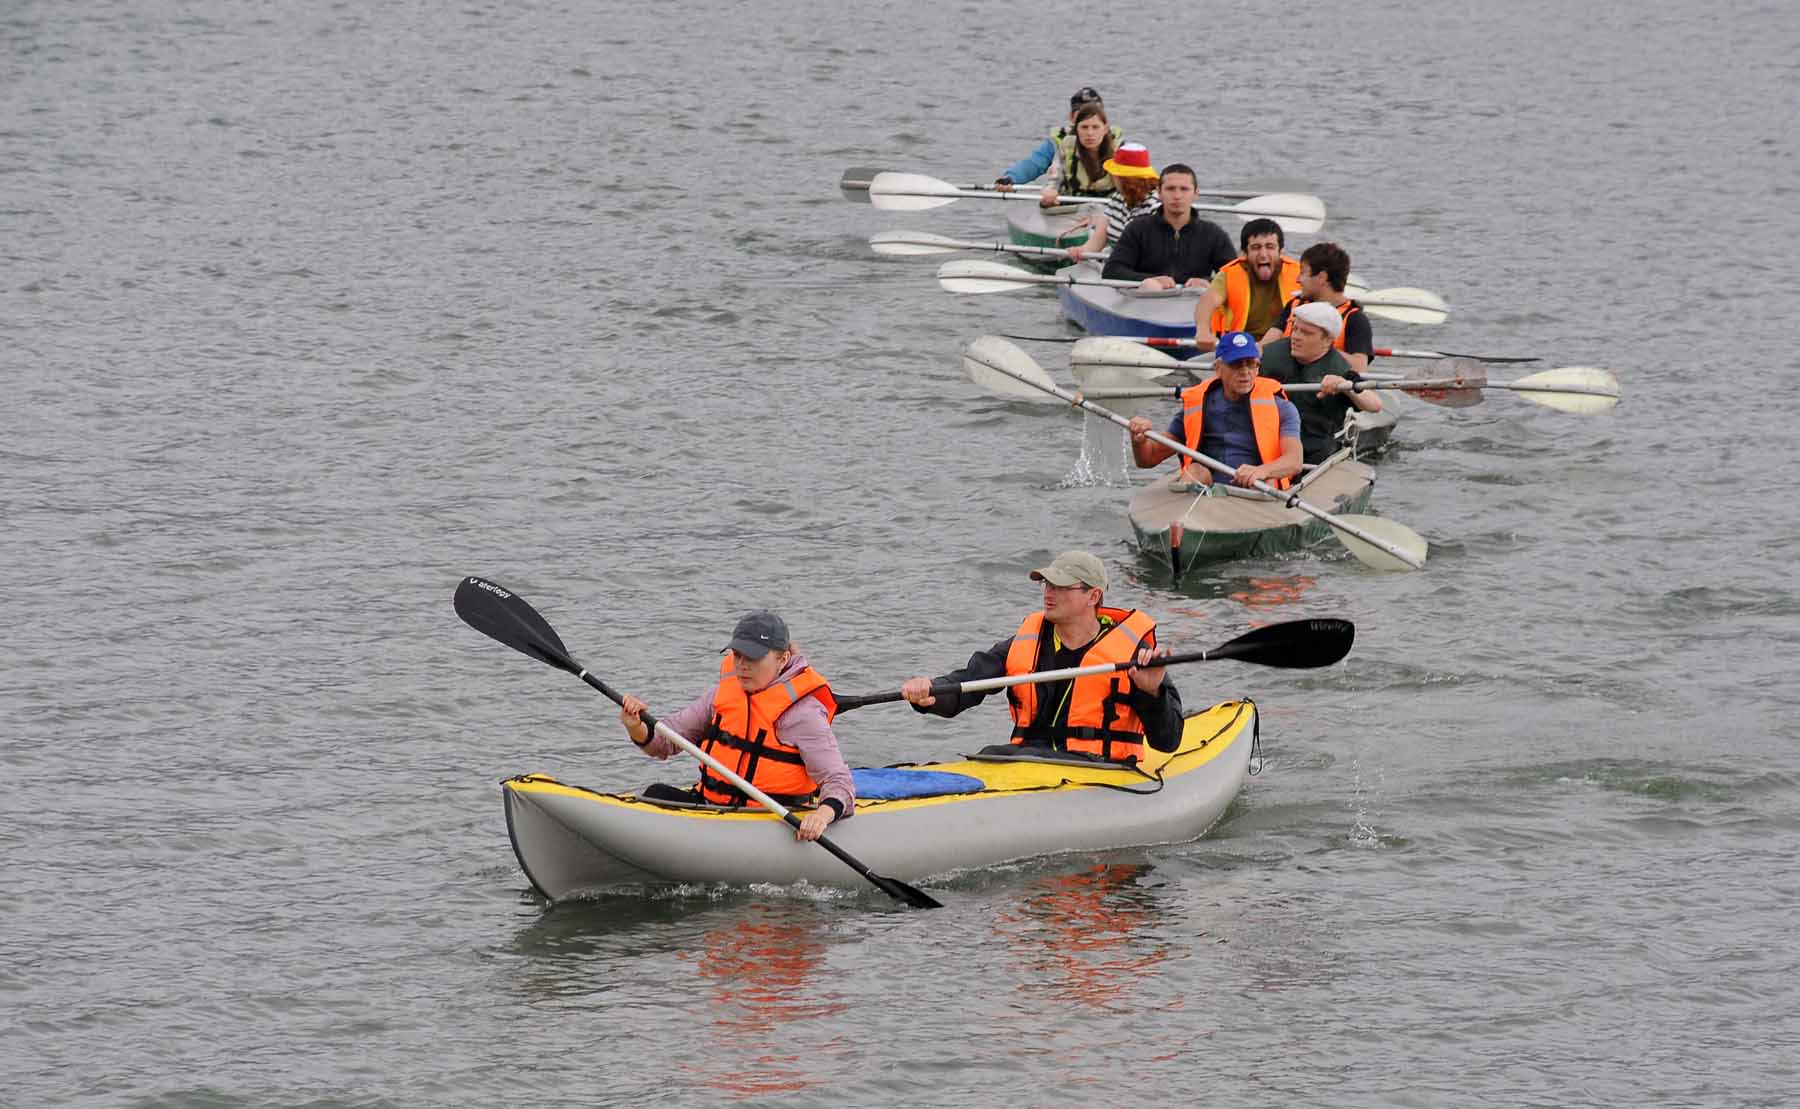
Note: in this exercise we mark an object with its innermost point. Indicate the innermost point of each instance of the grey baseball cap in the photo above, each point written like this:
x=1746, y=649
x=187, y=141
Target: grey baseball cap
x=1072, y=568
x=757, y=634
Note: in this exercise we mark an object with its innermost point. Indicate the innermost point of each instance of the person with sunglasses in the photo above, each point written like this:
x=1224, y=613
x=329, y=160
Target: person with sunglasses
x=1104, y=716
x=769, y=720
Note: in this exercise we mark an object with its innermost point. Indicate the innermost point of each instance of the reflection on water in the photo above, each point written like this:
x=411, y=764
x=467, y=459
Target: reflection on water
x=1091, y=938
x=760, y=970
x=1260, y=590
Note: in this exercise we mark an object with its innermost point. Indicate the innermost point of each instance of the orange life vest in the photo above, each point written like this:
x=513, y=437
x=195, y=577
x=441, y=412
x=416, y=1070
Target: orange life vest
x=1235, y=312
x=1346, y=310
x=1100, y=719
x=742, y=736
x=1265, y=420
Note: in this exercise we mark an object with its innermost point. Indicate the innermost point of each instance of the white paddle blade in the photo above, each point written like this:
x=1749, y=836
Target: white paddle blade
x=1403, y=304
x=1297, y=213
x=909, y=243
x=1398, y=547
x=972, y=275
x=1582, y=390
x=910, y=192
x=1118, y=356
x=997, y=366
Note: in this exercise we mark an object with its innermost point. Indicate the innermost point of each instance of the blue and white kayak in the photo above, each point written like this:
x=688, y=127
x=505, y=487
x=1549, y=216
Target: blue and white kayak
x=1106, y=310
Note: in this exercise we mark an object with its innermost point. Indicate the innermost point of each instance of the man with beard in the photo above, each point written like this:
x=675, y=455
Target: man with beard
x=1248, y=292
x=1173, y=246
x=1307, y=356
x=1324, y=271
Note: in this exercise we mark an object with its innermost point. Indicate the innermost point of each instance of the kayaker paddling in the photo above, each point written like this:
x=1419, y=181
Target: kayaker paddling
x=1136, y=179
x=1108, y=716
x=1174, y=247
x=1324, y=275
x=1306, y=356
x=1236, y=416
x=1056, y=151
x=769, y=720
x=1249, y=291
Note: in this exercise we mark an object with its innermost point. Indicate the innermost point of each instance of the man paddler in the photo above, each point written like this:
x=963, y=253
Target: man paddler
x=1235, y=416
x=1248, y=292
x=1108, y=716
x=1324, y=274
x=1306, y=355
x=1173, y=246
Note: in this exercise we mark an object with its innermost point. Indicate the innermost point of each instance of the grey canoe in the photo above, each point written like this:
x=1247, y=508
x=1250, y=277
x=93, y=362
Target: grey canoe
x=571, y=840
x=1218, y=525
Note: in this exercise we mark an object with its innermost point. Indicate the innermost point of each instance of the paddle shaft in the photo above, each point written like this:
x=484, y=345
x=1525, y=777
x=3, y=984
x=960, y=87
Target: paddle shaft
x=1382, y=352
x=987, y=685
x=856, y=180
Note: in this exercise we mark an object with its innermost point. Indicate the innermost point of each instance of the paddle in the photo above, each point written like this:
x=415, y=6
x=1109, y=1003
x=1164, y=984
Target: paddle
x=1190, y=344
x=1419, y=306
x=501, y=614
x=914, y=243
x=1297, y=213
x=1582, y=390
x=1381, y=544
x=1292, y=645
x=855, y=186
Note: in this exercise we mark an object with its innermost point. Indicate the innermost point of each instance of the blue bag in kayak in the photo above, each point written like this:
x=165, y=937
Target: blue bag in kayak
x=892, y=784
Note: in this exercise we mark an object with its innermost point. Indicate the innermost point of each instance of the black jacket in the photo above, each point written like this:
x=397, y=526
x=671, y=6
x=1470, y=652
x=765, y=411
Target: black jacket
x=1149, y=247
x=1160, y=711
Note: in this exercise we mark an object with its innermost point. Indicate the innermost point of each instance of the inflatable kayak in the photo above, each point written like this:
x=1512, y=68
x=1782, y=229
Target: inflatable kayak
x=998, y=808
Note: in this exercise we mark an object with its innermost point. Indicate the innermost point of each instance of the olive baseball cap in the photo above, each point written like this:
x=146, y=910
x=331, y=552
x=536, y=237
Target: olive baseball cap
x=1073, y=568
x=757, y=634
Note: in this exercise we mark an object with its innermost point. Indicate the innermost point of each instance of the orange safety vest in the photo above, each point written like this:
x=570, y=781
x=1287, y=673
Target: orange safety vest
x=1346, y=310
x=742, y=736
x=1235, y=312
x=1265, y=420
x=1100, y=719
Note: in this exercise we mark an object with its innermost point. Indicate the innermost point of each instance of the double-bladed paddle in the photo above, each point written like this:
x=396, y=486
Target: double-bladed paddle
x=856, y=180
x=1293, y=645
x=1378, y=543
x=502, y=614
x=1296, y=213
x=972, y=275
x=1172, y=343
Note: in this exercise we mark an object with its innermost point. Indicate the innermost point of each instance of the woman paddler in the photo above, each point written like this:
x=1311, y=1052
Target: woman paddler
x=769, y=720
x=1131, y=171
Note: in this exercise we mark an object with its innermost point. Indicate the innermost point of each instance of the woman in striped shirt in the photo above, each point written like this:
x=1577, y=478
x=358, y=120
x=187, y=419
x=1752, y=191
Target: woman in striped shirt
x=1136, y=179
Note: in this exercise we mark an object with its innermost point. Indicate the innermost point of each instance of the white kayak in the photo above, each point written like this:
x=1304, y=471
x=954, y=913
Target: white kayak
x=571, y=840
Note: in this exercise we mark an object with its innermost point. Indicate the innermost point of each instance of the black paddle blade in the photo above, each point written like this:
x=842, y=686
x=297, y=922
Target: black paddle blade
x=900, y=891
x=855, y=182
x=498, y=613
x=1294, y=645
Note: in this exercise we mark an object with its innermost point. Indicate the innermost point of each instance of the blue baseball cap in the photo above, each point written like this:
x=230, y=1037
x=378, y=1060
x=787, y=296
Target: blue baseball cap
x=1235, y=346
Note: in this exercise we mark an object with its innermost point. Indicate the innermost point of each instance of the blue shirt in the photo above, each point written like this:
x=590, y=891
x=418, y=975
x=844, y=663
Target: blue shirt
x=1226, y=432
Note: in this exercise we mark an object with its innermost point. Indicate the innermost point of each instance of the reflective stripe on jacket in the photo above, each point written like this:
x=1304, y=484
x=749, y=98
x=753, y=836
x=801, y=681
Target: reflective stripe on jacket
x=1075, y=180
x=1100, y=719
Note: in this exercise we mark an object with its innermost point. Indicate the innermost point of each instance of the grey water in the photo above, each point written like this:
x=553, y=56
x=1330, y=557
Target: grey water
x=308, y=310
